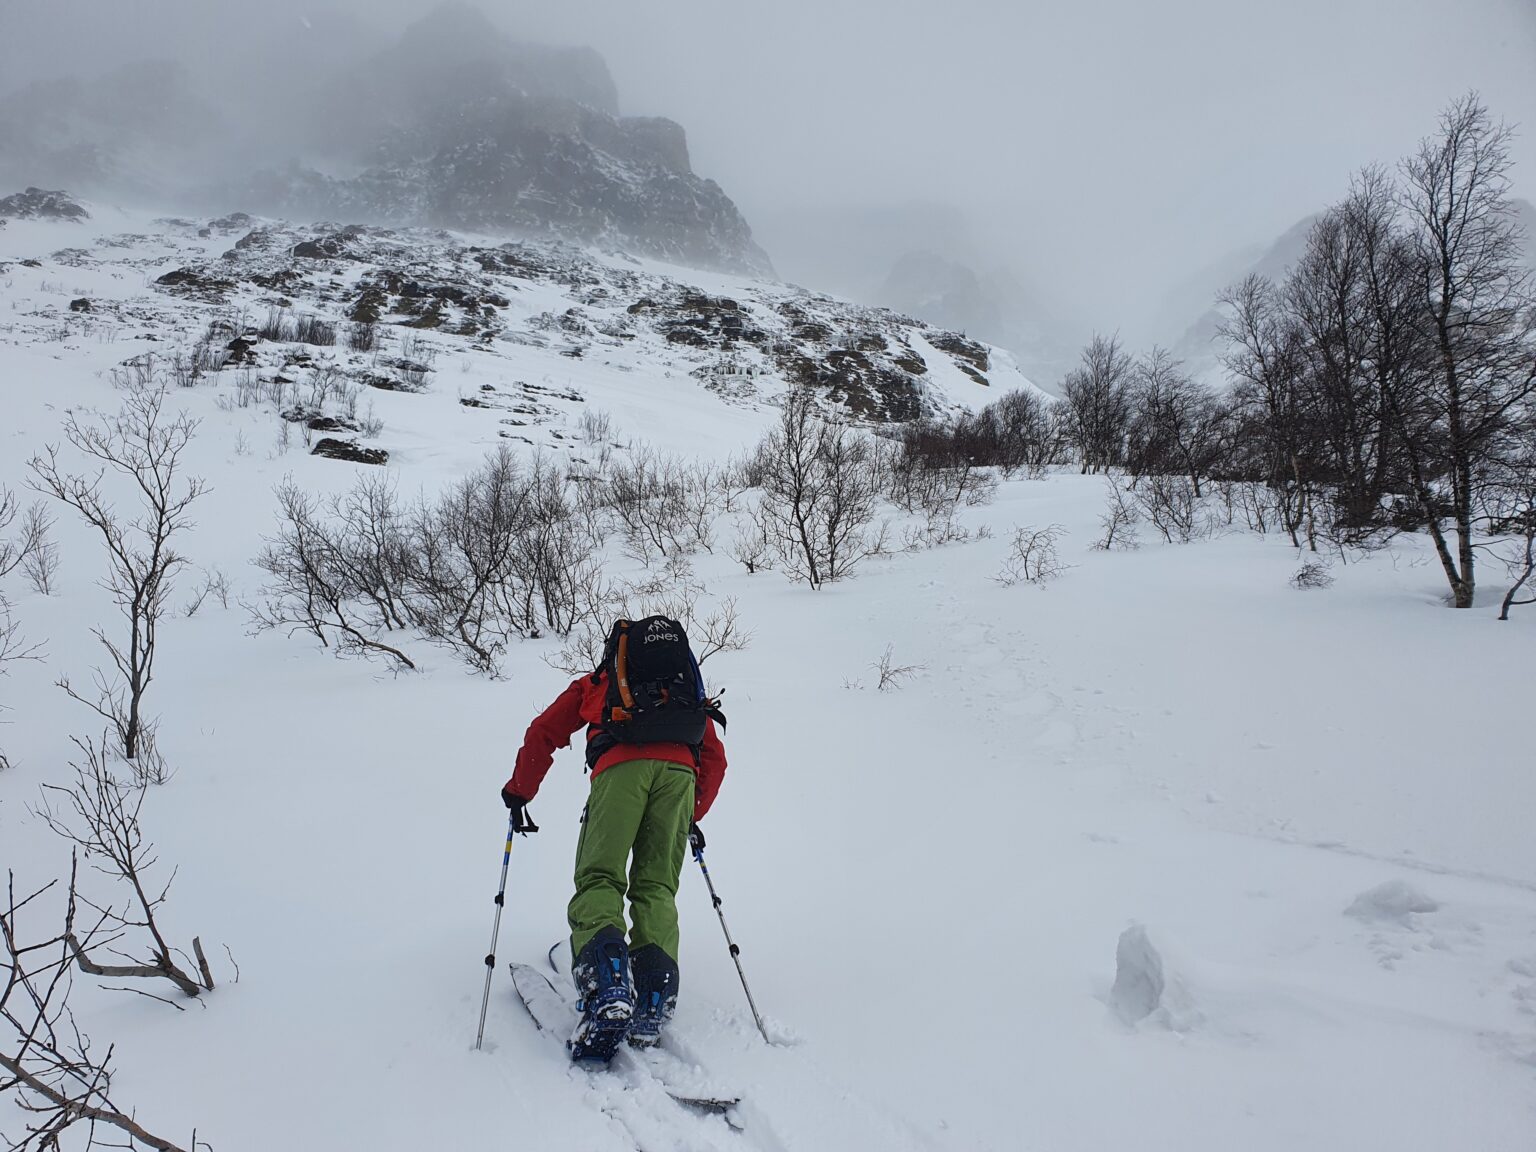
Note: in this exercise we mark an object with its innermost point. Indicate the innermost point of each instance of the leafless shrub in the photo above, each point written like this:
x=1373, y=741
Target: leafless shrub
x=893, y=675
x=415, y=348
x=930, y=473
x=502, y=553
x=310, y=329
x=662, y=504
x=750, y=546
x=363, y=336
x=1032, y=558
x=1170, y=505
x=411, y=375
x=278, y=327
x=595, y=427
x=1257, y=505
x=143, y=444
x=820, y=492
x=733, y=481
x=370, y=424
x=181, y=370
x=339, y=577
x=272, y=389
x=1312, y=574
x=46, y=1062
x=248, y=388
x=468, y=545
x=325, y=380
x=712, y=626
x=936, y=530
x=1119, y=519
x=347, y=396
x=99, y=814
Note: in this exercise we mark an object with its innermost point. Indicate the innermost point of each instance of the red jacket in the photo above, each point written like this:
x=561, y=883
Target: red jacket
x=582, y=704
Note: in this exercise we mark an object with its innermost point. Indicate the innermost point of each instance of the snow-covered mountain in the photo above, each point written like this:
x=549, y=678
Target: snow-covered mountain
x=1198, y=345
x=237, y=276
x=1162, y=854
x=454, y=125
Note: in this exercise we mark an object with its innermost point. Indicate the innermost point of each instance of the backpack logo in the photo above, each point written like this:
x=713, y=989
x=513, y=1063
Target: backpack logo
x=660, y=629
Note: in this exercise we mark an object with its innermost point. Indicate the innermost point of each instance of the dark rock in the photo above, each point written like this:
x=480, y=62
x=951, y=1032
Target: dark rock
x=80, y=305
x=325, y=248
x=370, y=304
x=973, y=374
x=961, y=348
x=331, y=424
x=195, y=282
x=285, y=280
x=849, y=378
x=349, y=450
x=38, y=204
x=234, y=222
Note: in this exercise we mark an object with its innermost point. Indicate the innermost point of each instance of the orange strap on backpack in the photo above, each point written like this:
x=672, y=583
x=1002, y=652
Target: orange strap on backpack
x=621, y=668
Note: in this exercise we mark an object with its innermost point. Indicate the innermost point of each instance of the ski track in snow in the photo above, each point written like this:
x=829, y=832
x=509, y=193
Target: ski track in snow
x=928, y=884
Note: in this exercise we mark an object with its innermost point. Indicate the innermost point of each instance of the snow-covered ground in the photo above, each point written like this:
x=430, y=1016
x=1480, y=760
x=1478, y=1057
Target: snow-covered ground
x=1316, y=805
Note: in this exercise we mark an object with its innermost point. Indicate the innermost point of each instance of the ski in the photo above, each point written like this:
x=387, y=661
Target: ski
x=555, y=1013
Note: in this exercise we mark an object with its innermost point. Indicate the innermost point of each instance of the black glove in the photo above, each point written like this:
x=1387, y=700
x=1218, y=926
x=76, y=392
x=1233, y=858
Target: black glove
x=521, y=821
x=696, y=837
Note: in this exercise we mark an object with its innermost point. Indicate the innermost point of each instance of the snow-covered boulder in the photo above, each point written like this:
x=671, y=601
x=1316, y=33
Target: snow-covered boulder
x=1395, y=902
x=1146, y=990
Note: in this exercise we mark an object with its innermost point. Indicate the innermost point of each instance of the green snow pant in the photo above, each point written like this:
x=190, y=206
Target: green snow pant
x=639, y=807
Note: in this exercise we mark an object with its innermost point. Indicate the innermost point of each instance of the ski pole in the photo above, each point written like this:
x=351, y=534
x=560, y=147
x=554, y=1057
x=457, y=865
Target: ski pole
x=698, y=854
x=490, y=957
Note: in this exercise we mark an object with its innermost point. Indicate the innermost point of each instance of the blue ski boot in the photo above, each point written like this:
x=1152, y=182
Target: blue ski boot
x=607, y=999
x=655, y=994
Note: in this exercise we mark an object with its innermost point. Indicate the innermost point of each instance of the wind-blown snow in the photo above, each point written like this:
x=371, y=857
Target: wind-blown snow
x=928, y=885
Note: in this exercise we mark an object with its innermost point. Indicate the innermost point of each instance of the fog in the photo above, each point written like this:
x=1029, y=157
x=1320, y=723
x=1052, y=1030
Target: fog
x=1114, y=156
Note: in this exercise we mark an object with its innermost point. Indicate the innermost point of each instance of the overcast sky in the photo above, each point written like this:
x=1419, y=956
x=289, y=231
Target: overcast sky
x=1108, y=147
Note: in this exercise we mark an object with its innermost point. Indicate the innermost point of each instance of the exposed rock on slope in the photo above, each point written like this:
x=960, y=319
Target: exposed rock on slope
x=740, y=342
x=37, y=204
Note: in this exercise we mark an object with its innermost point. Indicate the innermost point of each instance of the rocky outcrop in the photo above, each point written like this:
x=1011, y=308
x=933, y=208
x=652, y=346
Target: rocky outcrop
x=368, y=289
x=454, y=125
x=457, y=126
x=38, y=204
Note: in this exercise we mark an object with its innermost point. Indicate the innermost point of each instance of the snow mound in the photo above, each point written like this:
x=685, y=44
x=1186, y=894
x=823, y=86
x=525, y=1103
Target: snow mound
x=1395, y=902
x=1146, y=990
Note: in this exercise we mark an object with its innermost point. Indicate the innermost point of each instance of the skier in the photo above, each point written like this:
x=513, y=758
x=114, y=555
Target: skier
x=656, y=763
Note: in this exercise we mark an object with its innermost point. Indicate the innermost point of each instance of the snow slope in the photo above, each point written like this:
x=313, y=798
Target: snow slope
x=1323, y=833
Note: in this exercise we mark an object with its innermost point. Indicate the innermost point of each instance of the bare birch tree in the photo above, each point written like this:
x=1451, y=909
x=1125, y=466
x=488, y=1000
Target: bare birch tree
x=143, y=445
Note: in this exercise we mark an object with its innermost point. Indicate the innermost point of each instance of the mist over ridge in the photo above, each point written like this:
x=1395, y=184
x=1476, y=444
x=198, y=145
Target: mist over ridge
x=1081, y=167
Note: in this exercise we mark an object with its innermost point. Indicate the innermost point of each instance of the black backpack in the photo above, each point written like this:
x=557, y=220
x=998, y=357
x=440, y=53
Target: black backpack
x=655, y=691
